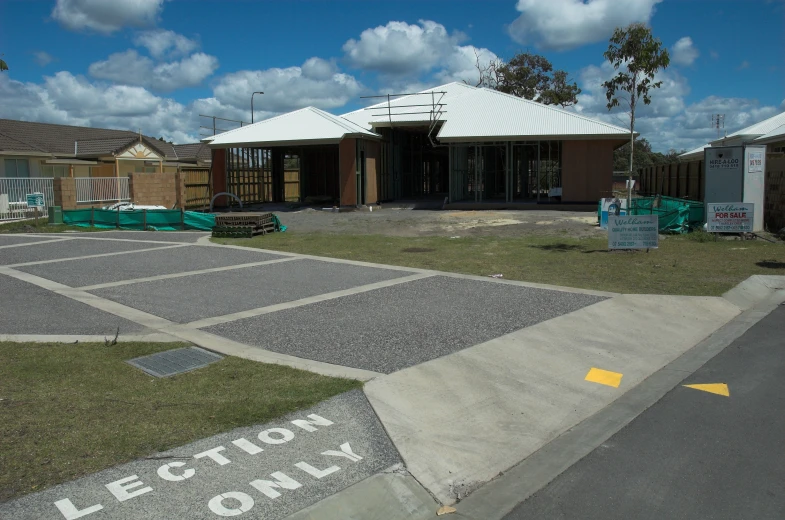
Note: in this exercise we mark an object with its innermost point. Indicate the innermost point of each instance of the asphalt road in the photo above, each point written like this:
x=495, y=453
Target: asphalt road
x=693, y=455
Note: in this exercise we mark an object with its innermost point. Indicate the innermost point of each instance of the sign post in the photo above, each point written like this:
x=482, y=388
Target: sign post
x=35, y=201
x=730, y=217
x=633, y=232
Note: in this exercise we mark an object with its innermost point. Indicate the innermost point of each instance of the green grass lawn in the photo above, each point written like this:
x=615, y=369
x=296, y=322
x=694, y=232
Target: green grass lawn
x=28, y=226
x=689, y=265
x=68, y=410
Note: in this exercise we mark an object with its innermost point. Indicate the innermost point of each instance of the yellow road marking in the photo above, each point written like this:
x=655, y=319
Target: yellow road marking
x=713, y=388
x=604, y=377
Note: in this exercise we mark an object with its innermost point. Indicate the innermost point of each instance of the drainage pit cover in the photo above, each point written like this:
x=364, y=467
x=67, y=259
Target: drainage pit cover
x=177, y=361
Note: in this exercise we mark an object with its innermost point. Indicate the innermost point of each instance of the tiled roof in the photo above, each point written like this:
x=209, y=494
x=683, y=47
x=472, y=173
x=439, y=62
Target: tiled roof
x=193, y=151
x=59, y=139
x=102, y=147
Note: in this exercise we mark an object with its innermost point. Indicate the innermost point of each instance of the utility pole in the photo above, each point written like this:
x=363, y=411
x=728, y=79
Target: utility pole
x=718, y=122
x=252, y=95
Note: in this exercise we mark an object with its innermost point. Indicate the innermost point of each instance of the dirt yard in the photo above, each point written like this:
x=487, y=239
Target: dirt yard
x=435, y=223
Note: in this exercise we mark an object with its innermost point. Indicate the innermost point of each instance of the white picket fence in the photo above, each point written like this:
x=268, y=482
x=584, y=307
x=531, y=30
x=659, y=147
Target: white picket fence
x=102, y=189
x=13, y=197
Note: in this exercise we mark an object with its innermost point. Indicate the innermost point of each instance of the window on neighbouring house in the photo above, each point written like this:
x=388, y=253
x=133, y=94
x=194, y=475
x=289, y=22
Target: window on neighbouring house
x=17, y=168
x=54, y=170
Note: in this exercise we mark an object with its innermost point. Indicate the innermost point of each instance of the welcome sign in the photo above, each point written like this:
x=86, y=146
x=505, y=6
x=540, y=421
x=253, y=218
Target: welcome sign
x=633, y=232
x=729, y=217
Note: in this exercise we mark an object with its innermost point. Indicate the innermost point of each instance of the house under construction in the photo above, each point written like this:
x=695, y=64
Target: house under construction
x=466, y=144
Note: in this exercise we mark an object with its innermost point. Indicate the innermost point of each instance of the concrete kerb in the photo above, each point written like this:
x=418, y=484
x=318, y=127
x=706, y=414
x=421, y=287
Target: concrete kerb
x=205, y=242
x=91, y=236
x=155, y=337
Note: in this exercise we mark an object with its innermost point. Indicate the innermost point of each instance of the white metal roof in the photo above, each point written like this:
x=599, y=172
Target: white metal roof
x=486, y=114
x=401, y=110
x=697, y=153
x=778, y=134
x=761, y=128
x=305, y=126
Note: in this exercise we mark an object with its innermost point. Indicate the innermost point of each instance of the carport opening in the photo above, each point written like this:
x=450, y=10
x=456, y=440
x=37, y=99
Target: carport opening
x=307, y=174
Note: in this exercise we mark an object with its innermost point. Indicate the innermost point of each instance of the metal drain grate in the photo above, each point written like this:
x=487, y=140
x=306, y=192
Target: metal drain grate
x=177, y=361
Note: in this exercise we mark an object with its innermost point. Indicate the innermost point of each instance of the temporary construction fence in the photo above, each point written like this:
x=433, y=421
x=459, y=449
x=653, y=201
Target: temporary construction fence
x=145, y=219
x=675, y=215
x=13, y=197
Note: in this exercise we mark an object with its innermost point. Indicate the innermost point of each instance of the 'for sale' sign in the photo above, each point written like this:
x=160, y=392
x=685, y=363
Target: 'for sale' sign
x=729, y=217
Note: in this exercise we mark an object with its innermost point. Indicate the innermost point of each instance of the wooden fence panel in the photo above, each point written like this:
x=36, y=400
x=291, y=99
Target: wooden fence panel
x=198, y=190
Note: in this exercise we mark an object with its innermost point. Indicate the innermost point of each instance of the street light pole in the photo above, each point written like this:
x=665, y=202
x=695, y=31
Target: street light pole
x=252, y=95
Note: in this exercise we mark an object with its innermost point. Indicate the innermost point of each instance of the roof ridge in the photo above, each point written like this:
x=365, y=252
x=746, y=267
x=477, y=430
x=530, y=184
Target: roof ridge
x=339, y=120
x=259, y=122
x=555, y=108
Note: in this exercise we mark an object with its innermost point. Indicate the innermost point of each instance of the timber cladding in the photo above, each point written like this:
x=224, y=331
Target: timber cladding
x=774, y=206
x=587, y=170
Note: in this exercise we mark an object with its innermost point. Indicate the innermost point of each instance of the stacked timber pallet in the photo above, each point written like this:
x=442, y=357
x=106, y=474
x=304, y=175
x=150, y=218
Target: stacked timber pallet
x=243, y=225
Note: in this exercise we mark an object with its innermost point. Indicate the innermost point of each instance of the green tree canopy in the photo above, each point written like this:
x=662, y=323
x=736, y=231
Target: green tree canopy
x=529, y=76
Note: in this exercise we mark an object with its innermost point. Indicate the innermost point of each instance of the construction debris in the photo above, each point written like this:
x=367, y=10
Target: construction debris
x=244, y=225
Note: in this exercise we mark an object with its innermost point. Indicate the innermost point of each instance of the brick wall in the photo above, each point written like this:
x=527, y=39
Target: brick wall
x=164, y=189
x=65, y=192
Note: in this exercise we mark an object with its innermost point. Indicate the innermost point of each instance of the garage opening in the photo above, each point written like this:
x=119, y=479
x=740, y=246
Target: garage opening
x=411, y=166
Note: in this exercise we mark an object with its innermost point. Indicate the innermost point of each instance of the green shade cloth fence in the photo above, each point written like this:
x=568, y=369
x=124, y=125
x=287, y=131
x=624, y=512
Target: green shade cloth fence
x=675, y=215
x=144, y=219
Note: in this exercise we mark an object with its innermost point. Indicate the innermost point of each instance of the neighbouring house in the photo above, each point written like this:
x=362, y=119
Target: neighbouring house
x=38, y=150
x=465, y=144
x=76, y=167
x=769, y=132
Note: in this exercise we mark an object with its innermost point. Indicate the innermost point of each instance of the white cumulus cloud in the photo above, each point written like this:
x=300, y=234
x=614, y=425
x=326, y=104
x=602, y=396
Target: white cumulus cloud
x=566, y=24
x=130, y=68
x=162, y=43
x=288, y=89
x=43, y=58
x=669, y=122
x=73, y=100
x=106, y=16
x=399, y=48
x=684, y=52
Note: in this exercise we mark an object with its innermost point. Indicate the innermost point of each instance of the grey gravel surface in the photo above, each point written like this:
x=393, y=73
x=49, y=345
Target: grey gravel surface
x=92, y=271
x=29, y=309
x=153, y=236
x=353, y=421
x=435, y=222
x=8, y=240
x=400, y=326
x=214, y=294
x=693, y=455
x=67, y=249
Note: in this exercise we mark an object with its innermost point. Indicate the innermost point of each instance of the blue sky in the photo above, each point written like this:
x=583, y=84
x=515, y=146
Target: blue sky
x=157, y=64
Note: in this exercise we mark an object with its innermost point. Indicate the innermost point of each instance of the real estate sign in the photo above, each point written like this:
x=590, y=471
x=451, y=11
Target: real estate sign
x=729, y=217
x=35, y=200
x=633, y=232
